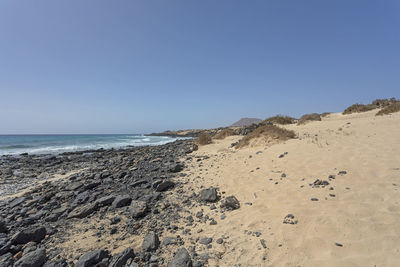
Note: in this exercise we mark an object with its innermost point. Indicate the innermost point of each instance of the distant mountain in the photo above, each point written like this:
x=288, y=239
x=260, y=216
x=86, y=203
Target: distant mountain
x=246, y=122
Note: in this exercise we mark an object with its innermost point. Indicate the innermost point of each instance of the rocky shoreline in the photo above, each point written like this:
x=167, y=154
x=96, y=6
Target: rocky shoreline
x=114, y=201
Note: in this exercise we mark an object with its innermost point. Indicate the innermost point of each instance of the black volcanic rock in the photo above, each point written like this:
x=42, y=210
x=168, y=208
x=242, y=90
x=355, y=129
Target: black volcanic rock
x=32, y=259
x=92, y=258
x=181, y=259
x=31, y=234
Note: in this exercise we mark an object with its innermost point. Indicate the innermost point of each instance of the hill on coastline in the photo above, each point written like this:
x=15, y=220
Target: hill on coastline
x=246, y=122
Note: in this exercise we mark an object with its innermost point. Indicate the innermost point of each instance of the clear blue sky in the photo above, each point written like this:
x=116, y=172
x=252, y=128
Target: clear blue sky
x=98, y=66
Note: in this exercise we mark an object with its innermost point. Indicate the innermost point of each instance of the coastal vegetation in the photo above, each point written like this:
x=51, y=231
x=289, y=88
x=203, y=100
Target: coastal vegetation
x=280, y=119
x=204, y=139
x=224, y=133
x=309, y=117
x=271, y=132
x=389, y=109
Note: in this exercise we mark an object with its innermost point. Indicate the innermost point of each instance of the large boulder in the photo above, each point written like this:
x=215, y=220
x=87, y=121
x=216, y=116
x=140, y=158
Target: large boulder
x=36, y=234
x=181, y=259
x=150, y=242
x=208, y=195
x=120, y=259
x=92, y=258
x=32, y=259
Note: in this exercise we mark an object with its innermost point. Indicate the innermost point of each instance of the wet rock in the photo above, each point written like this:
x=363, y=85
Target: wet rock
x=181, y=259
x=231, y=203
x=92, y=258
x=120, y=259
x=138, y=208
x=121, y=201
x=32, y=259
x=163, y=186
x=150, y=242
x=208, y=195
x=36, y=234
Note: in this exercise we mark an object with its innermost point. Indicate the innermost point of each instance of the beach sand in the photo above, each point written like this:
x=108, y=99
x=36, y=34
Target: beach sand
x=361, y=213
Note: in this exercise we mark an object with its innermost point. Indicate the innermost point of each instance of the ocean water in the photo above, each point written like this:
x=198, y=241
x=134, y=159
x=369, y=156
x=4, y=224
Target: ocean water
x=55, y=144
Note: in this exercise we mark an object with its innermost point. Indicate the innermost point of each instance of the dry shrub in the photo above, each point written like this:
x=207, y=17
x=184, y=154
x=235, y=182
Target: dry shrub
x=357, y=108
x=389, y=109
x=325, y=114
x=381, y=103
x=224, y=133
x=204, y=139
x=309, y=117
x=272, y=132
x=279, y=119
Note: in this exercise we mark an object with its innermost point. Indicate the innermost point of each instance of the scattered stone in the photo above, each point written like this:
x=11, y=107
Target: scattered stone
x=82, y=211
x=205, y=240
x=32, y=259
x=181, y=259
x=3, y=227
x=314, y=199
x=138, y=208
x=92, y=258
x=165, y=186
x=338, y=244
x=150, y=242
x=170, y=241
x=36, y=234
x=231, y=203
x=177, y=168
x=289, y=219
x=262, y=241
x=208, y=195
x=121, y=201
x=119, y=260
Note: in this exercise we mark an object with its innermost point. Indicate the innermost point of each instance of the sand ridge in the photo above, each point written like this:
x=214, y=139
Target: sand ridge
x=358, y=210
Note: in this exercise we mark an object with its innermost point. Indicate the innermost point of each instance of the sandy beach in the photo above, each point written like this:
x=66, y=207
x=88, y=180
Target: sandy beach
x=328, y=197
x=352, y=222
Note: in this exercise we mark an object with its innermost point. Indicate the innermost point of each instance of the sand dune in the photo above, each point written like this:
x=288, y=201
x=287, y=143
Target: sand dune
x=359, y=209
